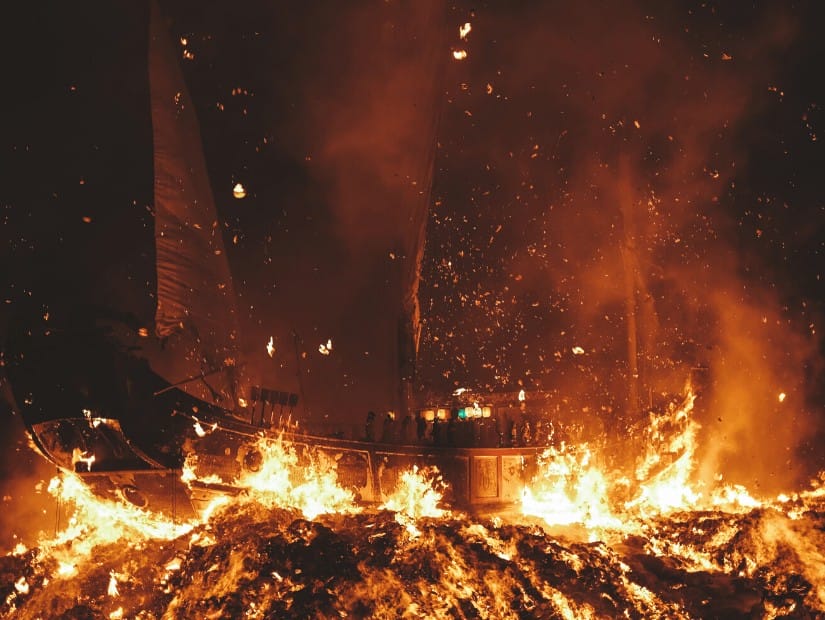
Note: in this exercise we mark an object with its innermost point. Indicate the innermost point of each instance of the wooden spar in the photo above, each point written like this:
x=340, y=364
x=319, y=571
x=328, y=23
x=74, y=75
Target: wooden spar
x=632, y=330
x=640, y=313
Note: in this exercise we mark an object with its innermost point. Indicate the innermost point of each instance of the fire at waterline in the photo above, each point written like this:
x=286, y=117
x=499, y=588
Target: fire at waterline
x=662, y=512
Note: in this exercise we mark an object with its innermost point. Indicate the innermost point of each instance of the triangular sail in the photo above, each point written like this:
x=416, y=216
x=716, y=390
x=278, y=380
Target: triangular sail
x=196, y=315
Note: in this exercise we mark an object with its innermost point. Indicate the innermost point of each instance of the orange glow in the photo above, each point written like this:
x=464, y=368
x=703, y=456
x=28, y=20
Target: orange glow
x=95, y=521
x=569, y=489
x=417, y=495
x=307, y=483
x=573, y=486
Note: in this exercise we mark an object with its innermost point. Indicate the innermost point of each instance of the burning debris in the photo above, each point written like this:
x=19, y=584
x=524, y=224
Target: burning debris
x=258, y=561
x=589, y=542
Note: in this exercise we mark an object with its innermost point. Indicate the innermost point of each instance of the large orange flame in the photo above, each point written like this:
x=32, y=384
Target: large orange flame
x=417, y=495
x=573, y=486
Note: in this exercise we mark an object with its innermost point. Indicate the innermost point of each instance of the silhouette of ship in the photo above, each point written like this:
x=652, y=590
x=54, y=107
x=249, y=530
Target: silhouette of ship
x=123, y=405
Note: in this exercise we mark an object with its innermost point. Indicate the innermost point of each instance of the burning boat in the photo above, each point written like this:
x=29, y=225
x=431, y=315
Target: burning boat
x=128, y=406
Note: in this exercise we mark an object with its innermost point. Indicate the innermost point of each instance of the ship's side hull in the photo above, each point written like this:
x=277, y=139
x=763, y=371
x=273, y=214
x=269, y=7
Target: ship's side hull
x=224, y=449
x=476, y=478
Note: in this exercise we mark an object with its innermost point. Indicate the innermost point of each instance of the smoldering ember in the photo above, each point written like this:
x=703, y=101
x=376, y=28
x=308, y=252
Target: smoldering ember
x=412, y=309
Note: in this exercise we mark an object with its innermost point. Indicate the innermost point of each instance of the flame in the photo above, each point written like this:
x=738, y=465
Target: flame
x=325, y=349
x=270, y=346
x=459, y=54
x=81, y=456
x=95, y=521
x=282, y=477
x=112, y=589
x=464, y=30
x=417, y=495
x=574, y=487
x=569, y=489
x=22, y=586
x=664, y=470
x=310, y=487
x=437, y=562
x=200, y=431
x=307, y=482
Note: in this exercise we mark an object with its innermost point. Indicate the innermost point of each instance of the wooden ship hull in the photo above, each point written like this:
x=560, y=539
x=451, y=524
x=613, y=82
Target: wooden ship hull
x=122, y=400
x=116, y=466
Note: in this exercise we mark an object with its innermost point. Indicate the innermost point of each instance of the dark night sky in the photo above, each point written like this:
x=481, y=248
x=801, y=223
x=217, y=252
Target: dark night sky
x=696, y=128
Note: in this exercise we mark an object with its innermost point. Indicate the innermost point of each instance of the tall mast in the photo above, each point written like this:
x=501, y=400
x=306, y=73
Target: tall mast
x=436, y=54
x=640, y=313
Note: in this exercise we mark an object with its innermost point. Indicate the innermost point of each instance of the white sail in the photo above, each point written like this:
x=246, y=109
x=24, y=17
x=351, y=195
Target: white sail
x=196, y=316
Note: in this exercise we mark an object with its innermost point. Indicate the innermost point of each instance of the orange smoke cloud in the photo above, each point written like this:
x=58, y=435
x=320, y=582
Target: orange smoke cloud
x=610, y=162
